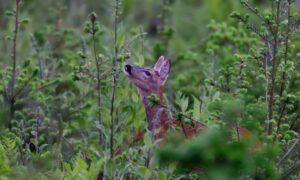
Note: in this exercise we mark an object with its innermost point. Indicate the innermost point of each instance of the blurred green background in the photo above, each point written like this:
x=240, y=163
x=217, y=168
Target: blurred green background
x=217, y=76
x=189, y=20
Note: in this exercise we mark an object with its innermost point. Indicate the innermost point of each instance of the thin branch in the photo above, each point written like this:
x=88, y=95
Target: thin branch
x=253, y=29
x=45, y=85
x=268, y=55
x=274, y=70
x=253, y=10
x=37, y=51
x=283, y=76
x=14, y=59
x=140, y=35
x=97, y=64
x=289, y=151
x=237, y=130
x=25, y=84
x=295, y=24
x=294, y=121
x=260, y=16
x=279, y=121
x=290, y=170
x=114, y=70
x=194, y=120
x=100, y=76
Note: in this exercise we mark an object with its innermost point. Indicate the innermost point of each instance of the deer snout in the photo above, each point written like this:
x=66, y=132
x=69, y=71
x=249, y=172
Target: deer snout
x=127, y=69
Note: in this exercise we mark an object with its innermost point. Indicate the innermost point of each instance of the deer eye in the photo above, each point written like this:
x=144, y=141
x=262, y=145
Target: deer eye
x=147, y=73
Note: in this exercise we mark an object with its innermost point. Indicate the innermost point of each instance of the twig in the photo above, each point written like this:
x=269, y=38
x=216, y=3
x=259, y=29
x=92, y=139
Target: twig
x=194, y=120
x=290, y=170
x=268, y=54
x=22, y=87
x=100, y=76
x=274, y=70
x=37, y=51
x=97, y=64
x=140, y=35
x=253, y=29
x=44, y=86
x=14, y=59
x=289, y=151
x=254, y=11
x=294, y=121
x=279, y=121
x=60, y=136
x=182, y=127
x=114, y=70
x=283, y=76
x=37, y=130
x=237, y=130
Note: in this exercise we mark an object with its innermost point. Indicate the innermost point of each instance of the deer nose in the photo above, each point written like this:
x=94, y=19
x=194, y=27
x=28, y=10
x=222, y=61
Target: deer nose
x=128, y=68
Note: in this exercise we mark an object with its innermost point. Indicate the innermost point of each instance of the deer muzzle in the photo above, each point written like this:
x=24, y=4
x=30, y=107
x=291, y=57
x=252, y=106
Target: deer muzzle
x=128, y=69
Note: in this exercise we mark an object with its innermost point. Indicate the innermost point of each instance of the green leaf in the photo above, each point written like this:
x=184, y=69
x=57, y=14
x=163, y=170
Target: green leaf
x=9, y=13
x=120, y=40
x=4, y=164
x=14, y=123
x=284, y=127
x=145, y=172
x=35, y=72
x=26, y=63
x=135, y=97
x=184, y=103
x=196, y=110
x=94, y=169
x=19, y=115
x=141, y=60
x=148, y=140
x=136, y=123
x=162, y=175
x=25, y=21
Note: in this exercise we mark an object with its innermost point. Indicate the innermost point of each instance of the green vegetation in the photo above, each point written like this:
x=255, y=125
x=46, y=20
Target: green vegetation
x=66, y=106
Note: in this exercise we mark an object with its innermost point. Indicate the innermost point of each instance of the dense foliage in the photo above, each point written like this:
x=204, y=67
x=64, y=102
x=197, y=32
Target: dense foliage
x=65, y=105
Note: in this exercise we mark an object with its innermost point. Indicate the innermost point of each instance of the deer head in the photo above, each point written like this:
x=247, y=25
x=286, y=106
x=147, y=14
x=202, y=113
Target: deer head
x=150, y=81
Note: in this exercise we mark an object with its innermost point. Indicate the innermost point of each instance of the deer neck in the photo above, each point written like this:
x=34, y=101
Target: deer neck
x=156, y=114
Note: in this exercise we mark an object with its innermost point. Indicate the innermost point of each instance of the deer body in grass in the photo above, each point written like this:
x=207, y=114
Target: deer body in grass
x=151, y=81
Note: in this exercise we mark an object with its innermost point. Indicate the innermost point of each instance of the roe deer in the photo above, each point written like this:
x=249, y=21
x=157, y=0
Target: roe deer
x=151, y=81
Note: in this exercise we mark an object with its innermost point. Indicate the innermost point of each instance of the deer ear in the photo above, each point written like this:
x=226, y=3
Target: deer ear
x=162, y=66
